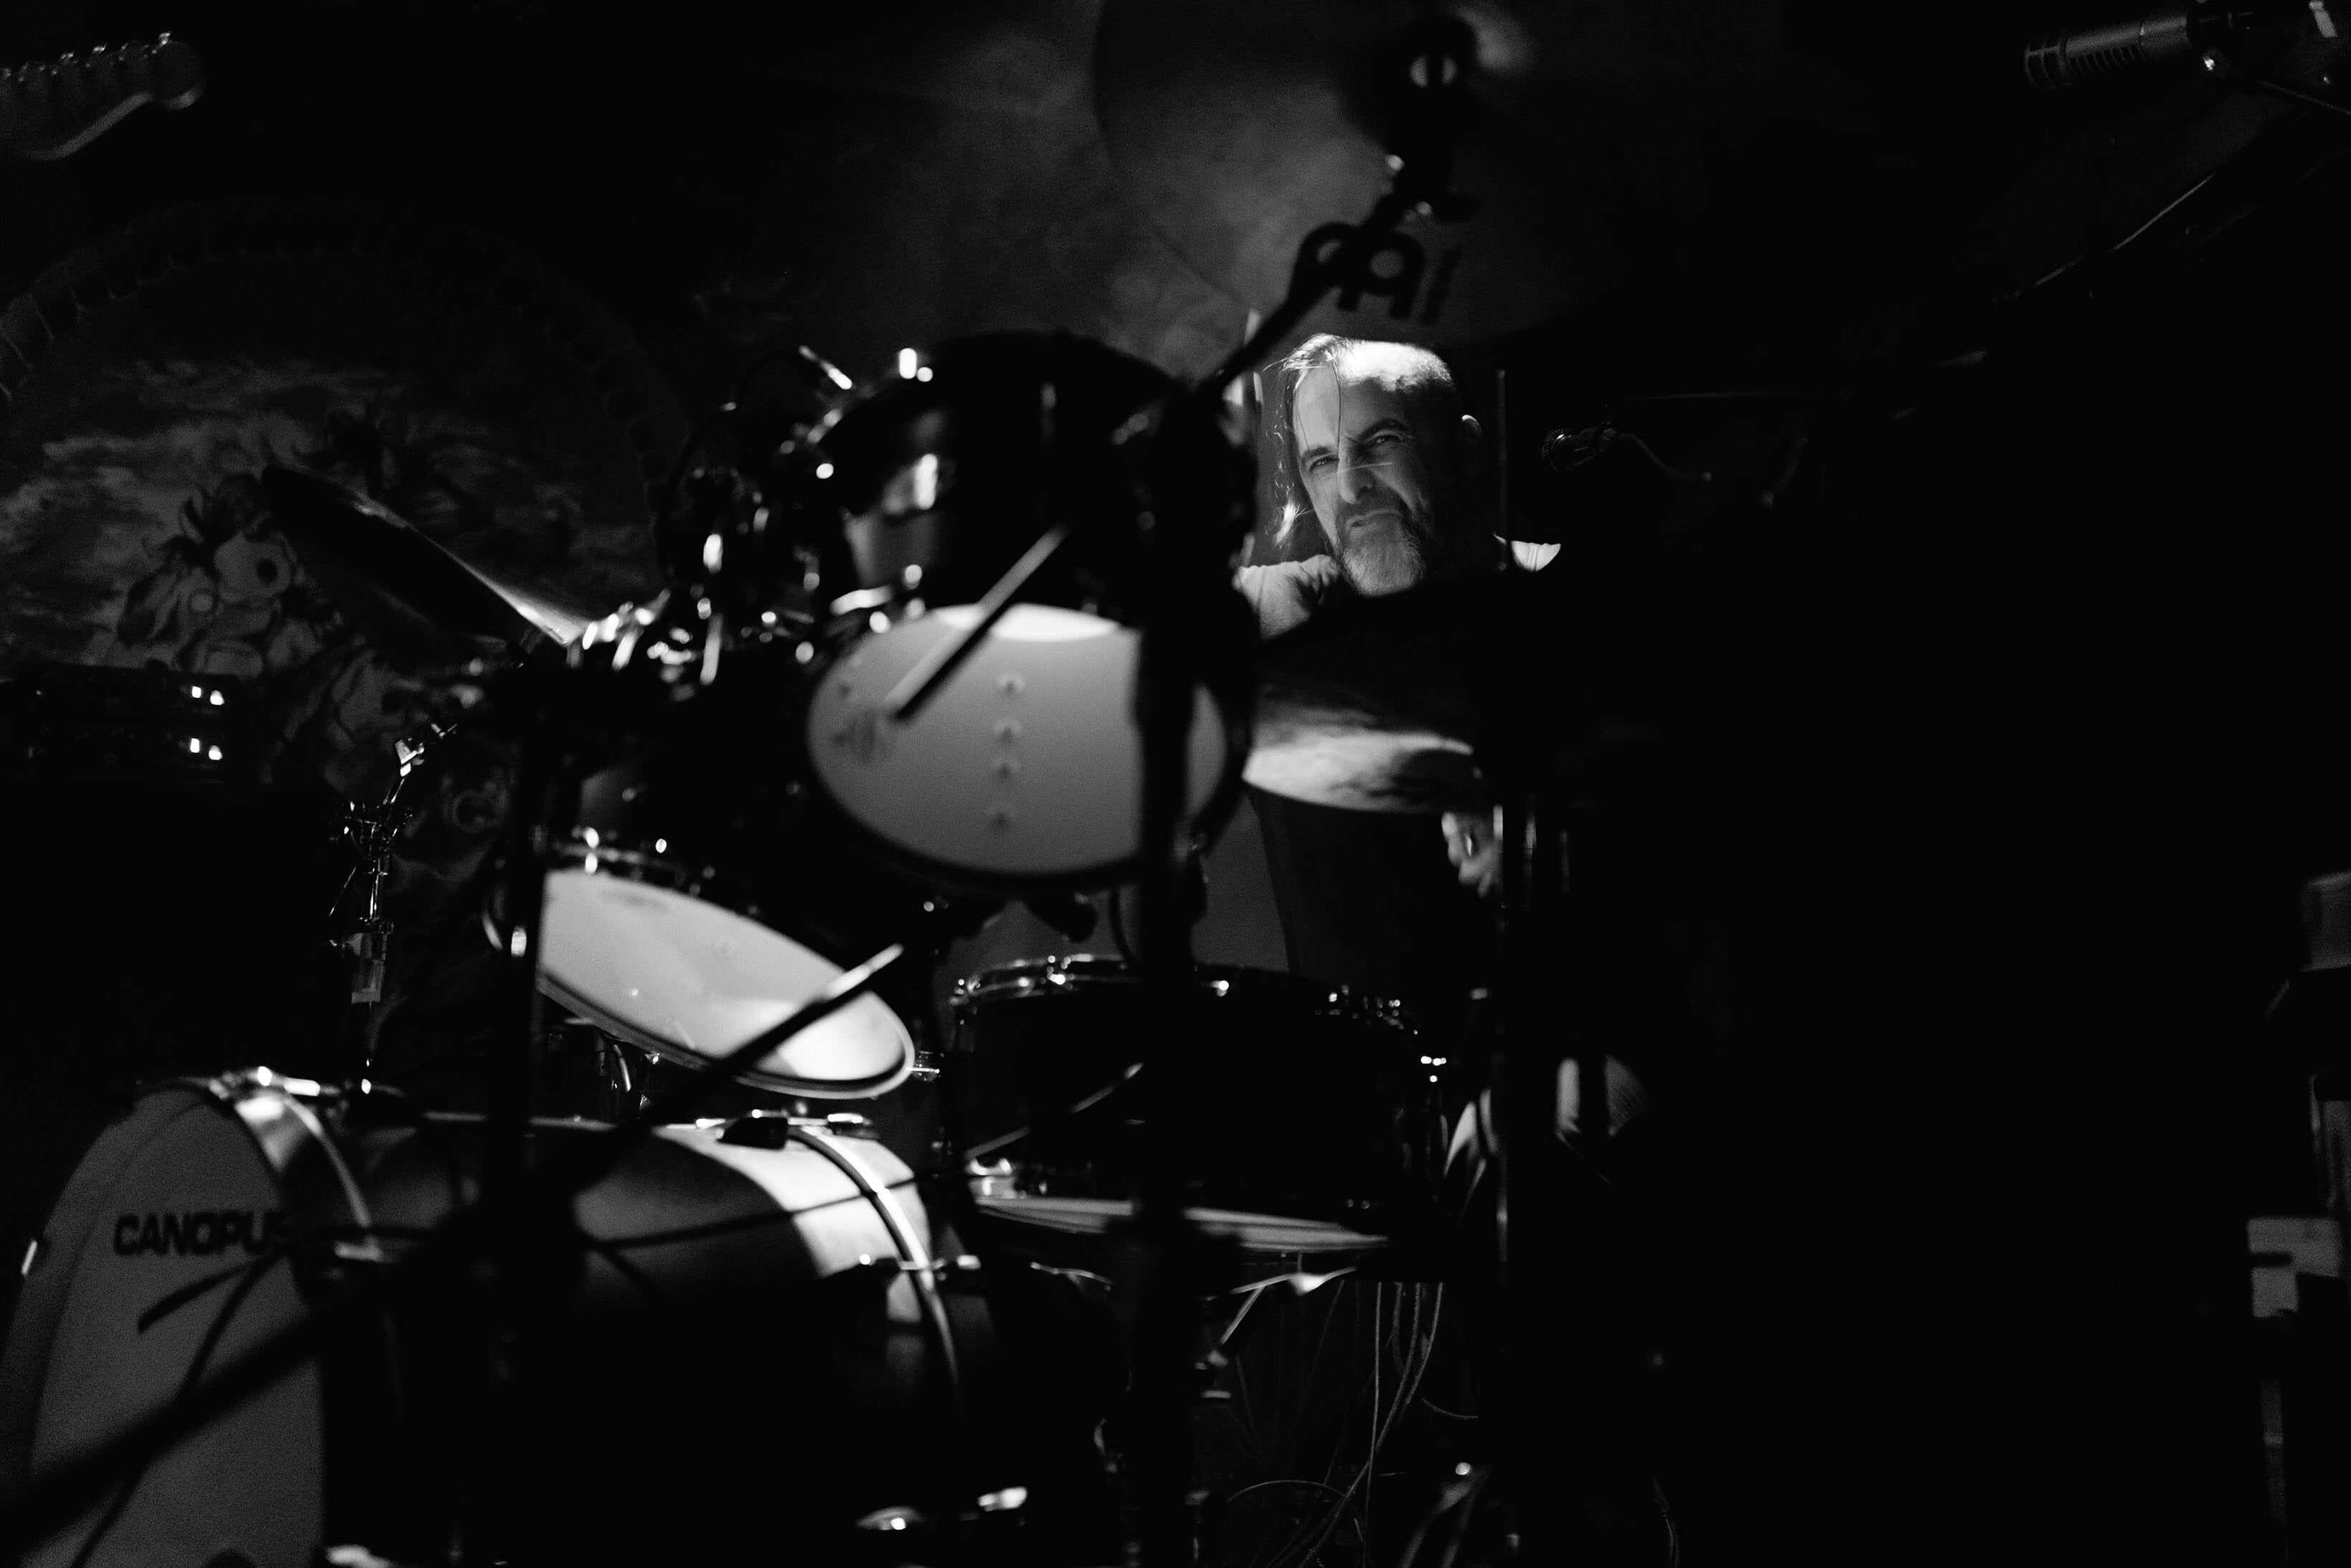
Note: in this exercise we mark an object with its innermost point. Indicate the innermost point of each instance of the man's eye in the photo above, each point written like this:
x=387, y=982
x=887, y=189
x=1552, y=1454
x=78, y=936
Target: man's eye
x=1316, y=464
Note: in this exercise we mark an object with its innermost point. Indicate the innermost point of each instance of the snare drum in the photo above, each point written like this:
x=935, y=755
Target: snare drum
x=1321, y=1129
x=743, y=1366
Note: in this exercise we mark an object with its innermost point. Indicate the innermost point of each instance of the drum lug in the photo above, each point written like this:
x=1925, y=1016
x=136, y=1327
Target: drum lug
x=961, y=1269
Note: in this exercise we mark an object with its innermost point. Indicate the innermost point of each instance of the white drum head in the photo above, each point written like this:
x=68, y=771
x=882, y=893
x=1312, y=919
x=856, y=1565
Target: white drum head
x=1028, y=763
x=185, y=1246
x=691, y=981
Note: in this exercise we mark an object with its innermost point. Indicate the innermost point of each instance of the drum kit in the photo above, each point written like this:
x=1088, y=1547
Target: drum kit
x=968, y=636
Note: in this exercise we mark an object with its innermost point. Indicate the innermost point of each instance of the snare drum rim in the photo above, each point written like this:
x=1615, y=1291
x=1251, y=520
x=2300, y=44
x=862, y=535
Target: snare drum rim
x=868, y=1088
x=1074, y=973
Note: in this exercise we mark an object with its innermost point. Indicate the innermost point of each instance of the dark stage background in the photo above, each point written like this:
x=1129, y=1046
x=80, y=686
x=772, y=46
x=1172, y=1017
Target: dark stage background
x=2045, y=638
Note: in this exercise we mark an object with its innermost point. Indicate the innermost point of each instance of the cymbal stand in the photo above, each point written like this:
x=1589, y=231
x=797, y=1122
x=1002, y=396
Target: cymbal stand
x=1556, y=1228
x=526, y=1239
x=366, y=942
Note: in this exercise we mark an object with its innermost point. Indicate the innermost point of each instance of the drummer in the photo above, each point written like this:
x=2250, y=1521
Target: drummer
x=1371, y=446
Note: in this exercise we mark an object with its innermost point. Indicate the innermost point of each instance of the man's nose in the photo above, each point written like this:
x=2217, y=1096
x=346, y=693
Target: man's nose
x=1354, y=478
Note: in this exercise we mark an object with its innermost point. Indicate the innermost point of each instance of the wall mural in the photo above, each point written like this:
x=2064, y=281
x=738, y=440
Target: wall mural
x=149, y=379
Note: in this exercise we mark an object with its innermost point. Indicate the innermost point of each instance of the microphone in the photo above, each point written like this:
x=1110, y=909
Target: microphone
x=1564, y=451
x=2182, y=31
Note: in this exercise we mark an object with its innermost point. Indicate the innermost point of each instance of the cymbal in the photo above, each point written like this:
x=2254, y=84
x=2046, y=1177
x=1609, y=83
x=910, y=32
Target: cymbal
x=413, y=600
x=1425, y=700
x=1240, y=127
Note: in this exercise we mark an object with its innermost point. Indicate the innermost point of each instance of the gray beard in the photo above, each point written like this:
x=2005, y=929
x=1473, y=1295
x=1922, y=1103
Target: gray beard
x=1390, y=566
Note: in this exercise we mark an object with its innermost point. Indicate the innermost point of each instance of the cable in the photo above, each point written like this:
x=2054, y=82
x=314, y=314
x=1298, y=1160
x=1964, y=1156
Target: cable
x=927, y=1291
x=1406, y=1393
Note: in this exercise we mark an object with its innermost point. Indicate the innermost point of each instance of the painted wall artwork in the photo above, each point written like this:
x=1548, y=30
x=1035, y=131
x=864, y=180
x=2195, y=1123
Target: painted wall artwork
x=154, y=376
x=149, y=379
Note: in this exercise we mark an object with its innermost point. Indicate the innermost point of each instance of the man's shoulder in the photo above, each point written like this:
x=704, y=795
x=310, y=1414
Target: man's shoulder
x=1285, y=592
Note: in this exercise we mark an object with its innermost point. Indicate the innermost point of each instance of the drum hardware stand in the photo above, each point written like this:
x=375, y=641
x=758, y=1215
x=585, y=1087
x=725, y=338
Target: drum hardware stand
x=1555, y=1239
x=366, y=942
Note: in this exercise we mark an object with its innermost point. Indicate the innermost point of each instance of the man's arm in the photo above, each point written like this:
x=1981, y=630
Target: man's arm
x=1288, y=592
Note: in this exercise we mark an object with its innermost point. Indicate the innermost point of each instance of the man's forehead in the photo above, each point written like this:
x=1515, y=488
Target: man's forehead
x=1351, y=394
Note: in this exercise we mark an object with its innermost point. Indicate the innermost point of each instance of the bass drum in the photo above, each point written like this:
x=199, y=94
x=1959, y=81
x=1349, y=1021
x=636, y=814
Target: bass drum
x=750, y=1358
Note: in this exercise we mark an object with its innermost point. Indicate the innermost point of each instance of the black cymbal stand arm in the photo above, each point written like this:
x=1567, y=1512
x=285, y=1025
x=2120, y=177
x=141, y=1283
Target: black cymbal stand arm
x=543, y=808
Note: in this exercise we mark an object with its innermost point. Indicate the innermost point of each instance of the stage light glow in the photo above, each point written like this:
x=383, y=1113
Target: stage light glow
x=217, y=699
x=212, y=754
x=825, y=470
x=194, y=746
x=908, y=363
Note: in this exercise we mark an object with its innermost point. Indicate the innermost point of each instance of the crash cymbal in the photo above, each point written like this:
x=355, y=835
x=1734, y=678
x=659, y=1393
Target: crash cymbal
x=1383, y=704
x=1240, y=127
x=1422, y=701
x=416, y=602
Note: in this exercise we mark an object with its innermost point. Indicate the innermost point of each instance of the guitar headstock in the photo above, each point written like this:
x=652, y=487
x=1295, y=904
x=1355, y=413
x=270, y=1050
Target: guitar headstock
x=53, y=108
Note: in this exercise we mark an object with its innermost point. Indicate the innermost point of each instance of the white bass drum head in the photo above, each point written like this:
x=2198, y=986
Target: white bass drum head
x=175, y=1270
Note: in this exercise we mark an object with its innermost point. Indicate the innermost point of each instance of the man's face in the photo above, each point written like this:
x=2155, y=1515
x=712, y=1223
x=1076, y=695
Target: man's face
x=1378, y=469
